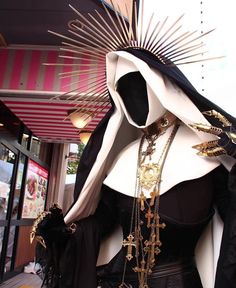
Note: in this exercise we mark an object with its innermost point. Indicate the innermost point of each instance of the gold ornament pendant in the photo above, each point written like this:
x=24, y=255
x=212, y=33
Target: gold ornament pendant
x=149, y=175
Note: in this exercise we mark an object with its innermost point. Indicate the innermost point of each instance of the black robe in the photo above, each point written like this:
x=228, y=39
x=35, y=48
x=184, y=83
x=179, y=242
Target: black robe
x=186, y=209
x=77, y=264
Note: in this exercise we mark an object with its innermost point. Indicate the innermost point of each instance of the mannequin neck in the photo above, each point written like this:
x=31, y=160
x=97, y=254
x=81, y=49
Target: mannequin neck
x=160, y=125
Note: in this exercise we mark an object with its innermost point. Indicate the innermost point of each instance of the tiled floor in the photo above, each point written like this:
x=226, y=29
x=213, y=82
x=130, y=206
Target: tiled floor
x=23, y=280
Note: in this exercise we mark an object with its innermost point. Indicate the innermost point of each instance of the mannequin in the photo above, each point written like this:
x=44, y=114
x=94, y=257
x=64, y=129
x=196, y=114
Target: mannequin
x=133, y=95
x=190, y=185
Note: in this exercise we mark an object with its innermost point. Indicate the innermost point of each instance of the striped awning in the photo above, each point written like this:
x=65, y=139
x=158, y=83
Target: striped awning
x=48, y=120
x=27, y=87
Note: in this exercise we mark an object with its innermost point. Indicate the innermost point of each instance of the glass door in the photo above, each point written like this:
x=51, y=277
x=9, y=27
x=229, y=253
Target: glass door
x=7, y=170
x=14, y=216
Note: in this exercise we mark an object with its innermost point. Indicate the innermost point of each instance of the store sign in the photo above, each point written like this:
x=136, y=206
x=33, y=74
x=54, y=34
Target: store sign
x=35, y=190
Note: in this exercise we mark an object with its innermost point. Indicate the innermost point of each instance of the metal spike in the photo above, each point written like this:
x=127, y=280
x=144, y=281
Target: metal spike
x=125, y=35
x=92, y=52
x=57, y=97
x=165, y=41
x=131, y=32
x=157, y=33
x=114, y=24
x=176, y=41
x=108, y=39
x=66, y=93
x=94, y=80
x=193, y=40
x=141, y=28
x=177, y=50
x=93, y=76
x=95, y=99
x=64, y=37
x=124, y=24
x=76, y=58
x=97, y=38
x=185, y=51
x=92, y=48
x=86, y=95
x=94, y=83
x=188, y=56
x=166, y=33
x=105, y=50
x=116, y=40
x=92, y=103
x=97, y=89
x=135, y=22
x=60, y=64
x=88, y=54
x=92, y=98
x=151, y=35
x=201, y=60
x=78, y=72
x=103, y=108
x=147, y=30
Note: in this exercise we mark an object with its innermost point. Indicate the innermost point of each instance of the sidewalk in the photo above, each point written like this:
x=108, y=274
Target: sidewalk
x=23, y=280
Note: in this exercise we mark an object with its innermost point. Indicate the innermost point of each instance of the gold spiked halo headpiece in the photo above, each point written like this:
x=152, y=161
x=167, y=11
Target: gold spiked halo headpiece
x=94, y=35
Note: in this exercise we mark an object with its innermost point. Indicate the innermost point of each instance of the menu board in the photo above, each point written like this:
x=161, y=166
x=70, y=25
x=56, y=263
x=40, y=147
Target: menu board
x=35, y=190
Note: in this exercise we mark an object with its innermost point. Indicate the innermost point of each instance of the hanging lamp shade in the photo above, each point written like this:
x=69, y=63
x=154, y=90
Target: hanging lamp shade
x=84, y=136
x=79, y=118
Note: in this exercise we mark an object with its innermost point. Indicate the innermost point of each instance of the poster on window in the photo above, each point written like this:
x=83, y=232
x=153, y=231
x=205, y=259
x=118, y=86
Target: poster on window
x=35, y=190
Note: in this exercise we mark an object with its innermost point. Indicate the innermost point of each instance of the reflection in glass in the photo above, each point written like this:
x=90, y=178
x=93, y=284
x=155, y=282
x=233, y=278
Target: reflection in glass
x=1, y=238
x=35, y=146
x=25, y=140
x=7, y=159
x=20, y=171
x=10, y=246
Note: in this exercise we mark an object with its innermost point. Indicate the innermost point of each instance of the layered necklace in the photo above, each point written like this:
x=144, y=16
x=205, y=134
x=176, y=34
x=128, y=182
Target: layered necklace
x=148, y=180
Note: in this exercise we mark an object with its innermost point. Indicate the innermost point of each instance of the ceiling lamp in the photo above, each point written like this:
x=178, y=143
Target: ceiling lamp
x=79, y=118
x=84, y=136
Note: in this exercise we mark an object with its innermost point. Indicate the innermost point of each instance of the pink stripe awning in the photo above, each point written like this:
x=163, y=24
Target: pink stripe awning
x=46, y=120
x=27, y=86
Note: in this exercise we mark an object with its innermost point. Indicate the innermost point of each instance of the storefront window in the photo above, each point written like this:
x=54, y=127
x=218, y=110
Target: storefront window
x=73, y=158
x=7, y=160
x=35, y=190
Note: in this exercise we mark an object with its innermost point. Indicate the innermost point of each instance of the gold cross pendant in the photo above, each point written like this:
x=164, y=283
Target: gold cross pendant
x=143, y=273
x=141, y=200
x=162, y=225
x=149, y=215
x=153, y=195
x=130, y=243
x=158, y=224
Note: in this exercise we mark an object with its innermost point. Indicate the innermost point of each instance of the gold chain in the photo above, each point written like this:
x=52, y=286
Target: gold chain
x=149, y=178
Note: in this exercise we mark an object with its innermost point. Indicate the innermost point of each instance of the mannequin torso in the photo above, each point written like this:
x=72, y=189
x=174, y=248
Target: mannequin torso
x=181, y=164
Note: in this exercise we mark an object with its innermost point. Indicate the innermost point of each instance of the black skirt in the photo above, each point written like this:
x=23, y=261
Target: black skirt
x=179, y=274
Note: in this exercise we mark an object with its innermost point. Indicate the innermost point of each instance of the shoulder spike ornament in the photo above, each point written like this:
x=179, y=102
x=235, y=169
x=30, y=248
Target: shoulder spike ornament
x=96, y=35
